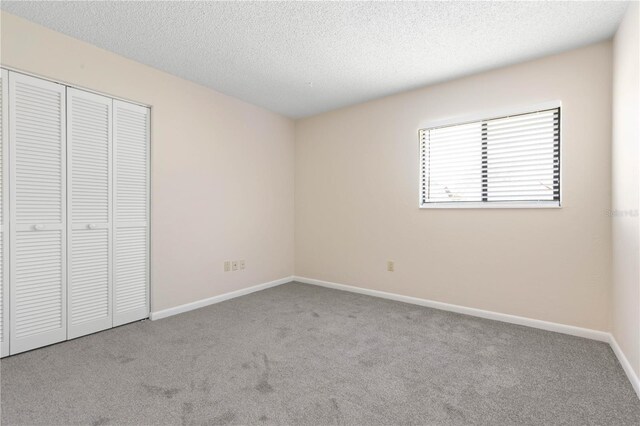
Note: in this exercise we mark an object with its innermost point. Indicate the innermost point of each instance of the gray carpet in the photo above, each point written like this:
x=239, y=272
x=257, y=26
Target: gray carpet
x=298, y=354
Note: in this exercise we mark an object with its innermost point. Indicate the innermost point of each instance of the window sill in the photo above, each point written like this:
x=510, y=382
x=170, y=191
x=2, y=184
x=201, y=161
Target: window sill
x=494, y=205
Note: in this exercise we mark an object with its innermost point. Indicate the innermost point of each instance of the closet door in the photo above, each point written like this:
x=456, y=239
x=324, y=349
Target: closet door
x=37, y=144
x=89, y=212
x=131, y=207
x=4, y=222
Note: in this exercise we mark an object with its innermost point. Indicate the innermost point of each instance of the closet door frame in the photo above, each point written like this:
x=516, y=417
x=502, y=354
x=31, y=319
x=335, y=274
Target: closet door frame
x=4, y=145
x=106, y=322
x=58, y=335
x=9, y=227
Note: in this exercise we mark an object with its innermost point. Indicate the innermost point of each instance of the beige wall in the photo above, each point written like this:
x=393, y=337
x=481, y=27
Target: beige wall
x=626, y=187
x=357, y=199
x=222, y=169
x=223, y=174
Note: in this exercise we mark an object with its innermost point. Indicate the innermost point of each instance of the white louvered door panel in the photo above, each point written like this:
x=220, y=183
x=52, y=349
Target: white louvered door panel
x=4, y=222
x=131, y=209
x=89, y=212
x=37, y=145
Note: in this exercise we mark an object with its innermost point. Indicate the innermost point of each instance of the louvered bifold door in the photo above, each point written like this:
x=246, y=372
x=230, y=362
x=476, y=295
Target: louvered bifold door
x=37, y=146
x=131, y=208
x=89, y=212
x=4, y=220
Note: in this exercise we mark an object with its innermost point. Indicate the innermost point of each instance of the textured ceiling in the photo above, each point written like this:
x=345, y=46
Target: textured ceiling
x=303, y=58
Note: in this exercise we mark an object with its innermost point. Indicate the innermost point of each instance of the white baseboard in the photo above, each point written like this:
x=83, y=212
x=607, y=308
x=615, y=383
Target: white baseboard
x=626, y=365
x=216, y=299
x=601, y=336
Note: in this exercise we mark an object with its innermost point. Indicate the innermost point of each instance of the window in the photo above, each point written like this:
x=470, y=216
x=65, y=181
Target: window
x=512, y=161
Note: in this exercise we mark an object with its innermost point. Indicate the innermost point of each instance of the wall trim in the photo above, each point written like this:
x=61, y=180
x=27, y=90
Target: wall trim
x=492, y=114
x=601, y=336
x=626, y=365
x=216, y=299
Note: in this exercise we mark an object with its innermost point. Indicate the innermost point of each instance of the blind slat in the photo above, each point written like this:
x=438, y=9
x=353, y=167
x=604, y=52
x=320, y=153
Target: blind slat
x=500, y=173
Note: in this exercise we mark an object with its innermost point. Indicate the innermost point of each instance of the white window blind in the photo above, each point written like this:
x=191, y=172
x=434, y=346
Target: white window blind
x=511, y=161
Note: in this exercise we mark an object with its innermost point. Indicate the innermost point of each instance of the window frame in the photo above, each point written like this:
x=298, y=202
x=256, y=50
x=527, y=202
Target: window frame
x=495, y=114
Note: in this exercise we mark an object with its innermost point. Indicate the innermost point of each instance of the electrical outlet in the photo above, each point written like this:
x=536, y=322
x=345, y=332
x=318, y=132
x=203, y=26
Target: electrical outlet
x=241, y=264
x=234, y=265
x=227, y=266
x=391, y=265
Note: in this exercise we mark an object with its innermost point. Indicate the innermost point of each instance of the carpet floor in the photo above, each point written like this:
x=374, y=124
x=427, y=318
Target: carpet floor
x=304, y=355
